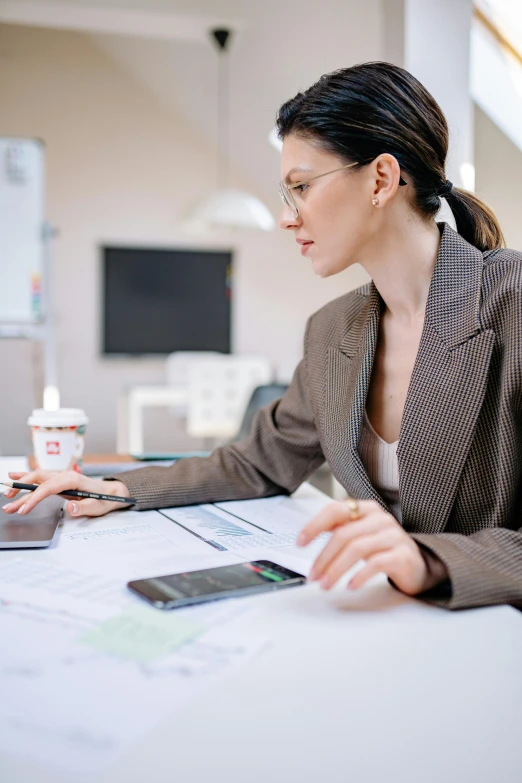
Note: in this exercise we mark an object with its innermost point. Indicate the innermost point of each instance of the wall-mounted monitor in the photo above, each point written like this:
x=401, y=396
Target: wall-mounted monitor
x=158, y=301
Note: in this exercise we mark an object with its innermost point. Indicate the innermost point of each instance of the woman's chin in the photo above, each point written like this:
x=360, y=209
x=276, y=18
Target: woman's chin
x=327, y=267
x=321, y=268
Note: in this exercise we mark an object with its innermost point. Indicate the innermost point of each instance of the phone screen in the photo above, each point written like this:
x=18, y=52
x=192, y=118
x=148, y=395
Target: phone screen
x=210, y=584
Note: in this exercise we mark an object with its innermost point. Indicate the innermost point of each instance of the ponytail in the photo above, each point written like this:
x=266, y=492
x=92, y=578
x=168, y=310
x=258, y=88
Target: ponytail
x=476, y=222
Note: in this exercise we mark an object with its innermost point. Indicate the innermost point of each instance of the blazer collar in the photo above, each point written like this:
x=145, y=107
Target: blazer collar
x=444, y=397
x=453, y=302
x=452, y=307
x=361, y=333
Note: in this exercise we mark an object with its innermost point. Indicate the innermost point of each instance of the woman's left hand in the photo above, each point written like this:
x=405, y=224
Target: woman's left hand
x=376, y=537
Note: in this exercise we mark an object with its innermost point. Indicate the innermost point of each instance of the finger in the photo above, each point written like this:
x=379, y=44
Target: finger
x=342, y=536
x=11, y=493
x=10, y=508
x=330, y=517
x=380, y=563
x=361, y=549
x=34, y=477
x=87, y=508
x=53, y=486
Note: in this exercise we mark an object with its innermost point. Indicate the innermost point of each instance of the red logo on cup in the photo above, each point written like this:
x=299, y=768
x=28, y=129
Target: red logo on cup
x=52, y=447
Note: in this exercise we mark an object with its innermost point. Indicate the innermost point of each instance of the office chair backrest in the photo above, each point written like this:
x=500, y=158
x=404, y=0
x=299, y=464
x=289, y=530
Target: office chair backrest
x=261, y=396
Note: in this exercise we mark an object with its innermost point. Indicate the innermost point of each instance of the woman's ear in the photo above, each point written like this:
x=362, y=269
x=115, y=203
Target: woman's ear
x=387, y=174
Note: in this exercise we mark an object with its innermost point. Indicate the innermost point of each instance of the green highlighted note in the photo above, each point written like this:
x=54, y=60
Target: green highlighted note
x=142, y=634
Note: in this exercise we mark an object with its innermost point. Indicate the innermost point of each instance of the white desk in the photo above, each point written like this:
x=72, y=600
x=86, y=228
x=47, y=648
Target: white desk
x=131, y=404
x=370, y=686
x=341, y=696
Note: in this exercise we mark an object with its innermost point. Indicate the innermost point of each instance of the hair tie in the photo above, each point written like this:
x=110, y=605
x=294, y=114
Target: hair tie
x=445, y=189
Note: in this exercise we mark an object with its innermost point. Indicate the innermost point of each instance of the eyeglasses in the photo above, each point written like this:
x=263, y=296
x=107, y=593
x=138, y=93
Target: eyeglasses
x=285, y=191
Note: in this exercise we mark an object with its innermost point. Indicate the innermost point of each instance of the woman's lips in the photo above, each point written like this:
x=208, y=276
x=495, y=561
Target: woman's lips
x=305, y=246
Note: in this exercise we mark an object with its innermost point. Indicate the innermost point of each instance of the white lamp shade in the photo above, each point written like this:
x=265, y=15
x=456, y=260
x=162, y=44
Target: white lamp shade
x=231, y=208
x=274, y=140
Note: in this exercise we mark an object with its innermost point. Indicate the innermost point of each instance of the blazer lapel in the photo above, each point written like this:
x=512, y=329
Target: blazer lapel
x=348, y=375
x=446, y=390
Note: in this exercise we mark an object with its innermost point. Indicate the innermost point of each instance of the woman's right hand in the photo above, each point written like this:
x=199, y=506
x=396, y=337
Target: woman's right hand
x=54, y=482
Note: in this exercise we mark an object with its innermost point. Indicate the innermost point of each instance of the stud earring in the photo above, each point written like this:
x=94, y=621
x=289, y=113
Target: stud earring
x=375, y=201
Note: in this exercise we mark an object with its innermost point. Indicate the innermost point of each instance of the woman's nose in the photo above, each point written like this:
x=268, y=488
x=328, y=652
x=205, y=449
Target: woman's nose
x=287, y=218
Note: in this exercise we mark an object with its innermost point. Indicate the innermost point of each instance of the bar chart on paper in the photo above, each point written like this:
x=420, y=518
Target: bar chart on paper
x=237, y=530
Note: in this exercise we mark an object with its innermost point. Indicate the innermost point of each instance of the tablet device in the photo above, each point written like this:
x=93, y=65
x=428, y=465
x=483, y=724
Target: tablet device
x=35, y=529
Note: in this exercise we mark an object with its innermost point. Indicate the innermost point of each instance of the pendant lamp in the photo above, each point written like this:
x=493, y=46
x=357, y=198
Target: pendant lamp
x=227, y=207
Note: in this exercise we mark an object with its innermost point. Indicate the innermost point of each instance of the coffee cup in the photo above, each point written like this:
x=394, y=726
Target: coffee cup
x=58, y=438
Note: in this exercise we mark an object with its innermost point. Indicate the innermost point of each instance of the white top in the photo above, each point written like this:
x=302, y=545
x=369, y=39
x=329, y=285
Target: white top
x=380, y=462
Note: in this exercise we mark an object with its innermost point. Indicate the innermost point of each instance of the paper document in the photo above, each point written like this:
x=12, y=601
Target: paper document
x=132, y=545
x=80, y=681
x=278, y=514
x=142, y=634
x=86, y=667
x=55, y=585
x=243, y=526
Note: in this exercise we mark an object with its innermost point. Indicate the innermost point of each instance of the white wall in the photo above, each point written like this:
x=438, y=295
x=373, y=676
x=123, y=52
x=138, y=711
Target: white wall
x=121, y=168
x=498, y=176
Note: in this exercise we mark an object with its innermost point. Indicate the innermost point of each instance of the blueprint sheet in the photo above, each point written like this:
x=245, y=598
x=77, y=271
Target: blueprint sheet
x=86, y=668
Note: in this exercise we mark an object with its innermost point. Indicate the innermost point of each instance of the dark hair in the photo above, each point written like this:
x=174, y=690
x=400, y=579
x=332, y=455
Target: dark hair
x=361, y=112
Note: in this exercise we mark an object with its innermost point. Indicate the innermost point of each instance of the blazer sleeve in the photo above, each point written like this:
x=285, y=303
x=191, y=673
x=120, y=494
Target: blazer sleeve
x=282, y=450
x=484, y=568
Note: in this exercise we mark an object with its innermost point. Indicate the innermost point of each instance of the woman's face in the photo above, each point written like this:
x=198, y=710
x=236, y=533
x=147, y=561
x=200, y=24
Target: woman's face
x=335, y=211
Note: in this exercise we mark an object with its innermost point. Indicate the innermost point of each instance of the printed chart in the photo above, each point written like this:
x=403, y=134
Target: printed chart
x=245, y=526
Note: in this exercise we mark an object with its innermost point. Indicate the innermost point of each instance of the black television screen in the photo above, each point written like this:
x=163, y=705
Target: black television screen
x=160, y=301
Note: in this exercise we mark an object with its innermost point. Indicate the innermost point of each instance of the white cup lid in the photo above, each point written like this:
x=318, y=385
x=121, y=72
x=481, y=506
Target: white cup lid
x=64, y=417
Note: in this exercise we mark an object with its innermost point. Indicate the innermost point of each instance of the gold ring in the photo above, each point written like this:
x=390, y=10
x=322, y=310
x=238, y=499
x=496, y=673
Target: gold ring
x=353, y=505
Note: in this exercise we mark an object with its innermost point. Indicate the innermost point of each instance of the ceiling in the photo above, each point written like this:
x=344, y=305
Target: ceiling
x=496, y=64
x=506, y=15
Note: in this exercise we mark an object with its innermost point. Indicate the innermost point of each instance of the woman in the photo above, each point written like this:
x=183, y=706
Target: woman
x=410, y=387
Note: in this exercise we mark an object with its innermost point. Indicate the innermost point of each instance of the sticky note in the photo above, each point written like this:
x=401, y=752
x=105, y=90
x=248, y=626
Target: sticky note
x=141, y=634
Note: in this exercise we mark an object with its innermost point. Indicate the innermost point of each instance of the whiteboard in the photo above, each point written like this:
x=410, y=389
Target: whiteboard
x=21, y=229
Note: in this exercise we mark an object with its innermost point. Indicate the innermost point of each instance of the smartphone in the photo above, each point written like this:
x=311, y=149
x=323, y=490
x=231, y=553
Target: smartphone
x=211, y=584
x=35, y=529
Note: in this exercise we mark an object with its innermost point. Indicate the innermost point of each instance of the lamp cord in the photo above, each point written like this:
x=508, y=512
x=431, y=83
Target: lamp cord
x=223, y=120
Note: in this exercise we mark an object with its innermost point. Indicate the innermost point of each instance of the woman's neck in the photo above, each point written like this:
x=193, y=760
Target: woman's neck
x=401, y=266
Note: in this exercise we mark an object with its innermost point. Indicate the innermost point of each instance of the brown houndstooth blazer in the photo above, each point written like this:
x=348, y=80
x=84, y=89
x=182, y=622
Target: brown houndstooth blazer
x=460, y=446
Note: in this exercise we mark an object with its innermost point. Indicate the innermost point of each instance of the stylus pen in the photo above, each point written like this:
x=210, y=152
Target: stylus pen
x=72, y=493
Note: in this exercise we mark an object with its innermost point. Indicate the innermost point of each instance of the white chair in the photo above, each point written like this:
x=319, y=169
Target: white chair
x=177, y=371
x=218, y=393
x=133, y=400
x=209, y=412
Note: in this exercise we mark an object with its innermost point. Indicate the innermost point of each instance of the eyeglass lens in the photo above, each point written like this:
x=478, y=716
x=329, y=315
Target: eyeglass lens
x=287, y=199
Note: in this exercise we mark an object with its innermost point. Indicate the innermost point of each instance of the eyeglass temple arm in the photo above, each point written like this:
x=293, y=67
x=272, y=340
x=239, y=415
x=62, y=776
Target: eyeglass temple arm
x=306, y=181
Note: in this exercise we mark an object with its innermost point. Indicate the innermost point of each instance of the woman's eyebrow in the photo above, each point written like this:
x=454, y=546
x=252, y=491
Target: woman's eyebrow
x=301, y=169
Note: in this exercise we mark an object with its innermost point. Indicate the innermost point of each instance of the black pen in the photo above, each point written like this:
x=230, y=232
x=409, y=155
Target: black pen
x=72, y=493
